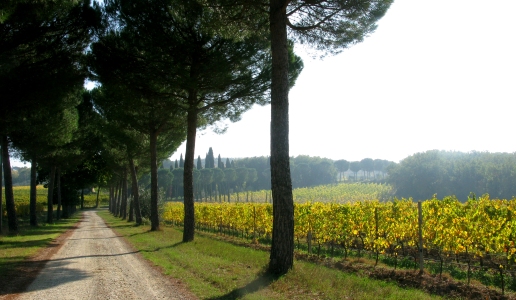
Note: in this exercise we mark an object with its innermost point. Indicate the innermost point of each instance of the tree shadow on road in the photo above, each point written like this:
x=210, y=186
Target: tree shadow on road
x=161, y=248
x=24, y=273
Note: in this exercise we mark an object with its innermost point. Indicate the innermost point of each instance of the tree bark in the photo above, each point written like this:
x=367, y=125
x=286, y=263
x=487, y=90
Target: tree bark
x=110, y=197
x=1, y=190
x=12, y=220
x=189, y=222
x=123, y=212
x=136, y=193
x=58, y=213
x=82, y=198
x=154, y=181
x=282, y=248
x=98, y=194
x=33, y=197
x=115, y=198
x=118, y=199
x=130, y=215
x=50, y=195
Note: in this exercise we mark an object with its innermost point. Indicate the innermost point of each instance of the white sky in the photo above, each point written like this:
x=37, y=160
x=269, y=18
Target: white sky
x=436, y=74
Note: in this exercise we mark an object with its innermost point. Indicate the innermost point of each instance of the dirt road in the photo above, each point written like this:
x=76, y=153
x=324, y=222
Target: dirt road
x=94, y=263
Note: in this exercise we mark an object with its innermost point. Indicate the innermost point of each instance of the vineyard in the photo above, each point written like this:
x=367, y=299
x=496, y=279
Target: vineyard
x=334, y=193
x=476, y=235
x=22, y=200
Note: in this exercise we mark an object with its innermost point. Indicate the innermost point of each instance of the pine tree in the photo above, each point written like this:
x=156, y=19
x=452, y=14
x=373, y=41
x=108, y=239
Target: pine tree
x=181, y=161
x=329, y=25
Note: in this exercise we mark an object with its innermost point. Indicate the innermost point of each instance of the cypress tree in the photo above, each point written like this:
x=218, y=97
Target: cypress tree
x=199, y=163
x=210, y=159
x=220, y=165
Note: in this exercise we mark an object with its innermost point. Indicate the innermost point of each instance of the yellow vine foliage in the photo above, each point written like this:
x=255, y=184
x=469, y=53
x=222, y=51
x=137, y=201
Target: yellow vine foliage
x=478, y=227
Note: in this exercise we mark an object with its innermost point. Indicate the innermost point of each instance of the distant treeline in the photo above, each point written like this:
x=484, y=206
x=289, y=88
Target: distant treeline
x=445, y=173
x=306, y=171
x=419, y=176
x=221, y=176
x=21, y=176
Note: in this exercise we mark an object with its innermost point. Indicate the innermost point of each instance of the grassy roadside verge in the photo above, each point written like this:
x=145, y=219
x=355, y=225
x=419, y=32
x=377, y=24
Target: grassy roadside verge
x=17, y=248
x=214, y=269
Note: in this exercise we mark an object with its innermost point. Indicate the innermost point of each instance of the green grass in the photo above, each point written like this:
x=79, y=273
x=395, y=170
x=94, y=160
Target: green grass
x=15, y=248
x=214, y=269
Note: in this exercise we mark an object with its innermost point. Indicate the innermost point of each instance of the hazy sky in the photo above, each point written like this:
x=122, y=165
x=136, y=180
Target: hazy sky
x=436, y=74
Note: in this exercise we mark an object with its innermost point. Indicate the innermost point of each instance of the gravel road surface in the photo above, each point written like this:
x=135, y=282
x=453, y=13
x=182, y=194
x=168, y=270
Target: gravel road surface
x=93, y=263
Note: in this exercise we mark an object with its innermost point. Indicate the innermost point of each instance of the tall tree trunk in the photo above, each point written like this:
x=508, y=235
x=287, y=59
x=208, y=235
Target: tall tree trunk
x=130, y=217
x=58, y=213
x=282, y=248
x=98, y=194
x=1, y=190
x=50, y=195
x=82, y=198
x=33, y=184
x=111, y=197
x=154, y=181
x=12, y=220
x=118, y=208
x=123, y=213
x=189, y=222
x=136, y=193
x=115, y=198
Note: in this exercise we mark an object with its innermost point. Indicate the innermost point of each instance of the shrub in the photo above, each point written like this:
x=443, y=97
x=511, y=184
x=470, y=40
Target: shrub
x=145, y=203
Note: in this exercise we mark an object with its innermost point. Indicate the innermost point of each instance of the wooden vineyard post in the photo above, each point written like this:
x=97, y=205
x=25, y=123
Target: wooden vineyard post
x=254, y=224
x=309, y=241
x=420, y=221
x=376, y=234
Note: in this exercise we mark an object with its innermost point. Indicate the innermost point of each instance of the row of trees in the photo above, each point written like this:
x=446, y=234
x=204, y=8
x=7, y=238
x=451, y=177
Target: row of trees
x=454, y=173
x=164, y=68
x=305, y=170
x=43, y=114
x=212, y=183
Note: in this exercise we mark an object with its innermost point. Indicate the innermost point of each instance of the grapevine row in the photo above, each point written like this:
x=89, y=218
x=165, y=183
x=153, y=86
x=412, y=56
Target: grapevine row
x=480, y=229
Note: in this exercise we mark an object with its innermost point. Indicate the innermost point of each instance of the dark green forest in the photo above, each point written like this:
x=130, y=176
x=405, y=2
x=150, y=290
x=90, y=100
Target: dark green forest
x=419, y=176
x=446, y=173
